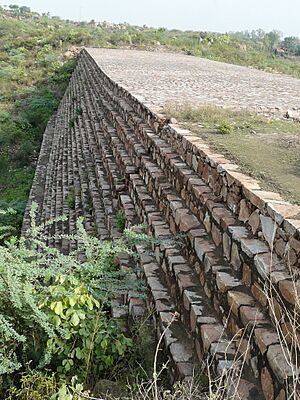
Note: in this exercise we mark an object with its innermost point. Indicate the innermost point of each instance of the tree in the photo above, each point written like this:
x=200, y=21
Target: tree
x=272, y=39
x=25, y=10
x=292, y=43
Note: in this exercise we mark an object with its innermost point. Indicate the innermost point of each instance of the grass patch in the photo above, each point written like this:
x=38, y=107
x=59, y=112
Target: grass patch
x=267, y=148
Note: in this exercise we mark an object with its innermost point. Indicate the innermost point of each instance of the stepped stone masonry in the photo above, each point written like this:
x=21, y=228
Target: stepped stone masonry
x=228, y=278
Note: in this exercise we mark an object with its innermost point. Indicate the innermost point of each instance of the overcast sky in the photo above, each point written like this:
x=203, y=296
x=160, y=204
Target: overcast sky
x=211, y=15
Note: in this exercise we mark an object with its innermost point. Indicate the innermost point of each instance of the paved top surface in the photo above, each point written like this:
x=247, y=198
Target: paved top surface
x=159, y=78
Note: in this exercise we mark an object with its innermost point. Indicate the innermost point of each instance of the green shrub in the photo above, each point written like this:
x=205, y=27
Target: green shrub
x=54, y=310
x=225, y=128
x=34, y=385
x=91, y=342
x=71, y=199
x=79, y=111
x=37, y=108
x=24, y=154
x=120, y=220
x=89, y=206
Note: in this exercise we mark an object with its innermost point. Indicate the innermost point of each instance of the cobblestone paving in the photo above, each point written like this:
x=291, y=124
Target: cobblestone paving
x=158, y=78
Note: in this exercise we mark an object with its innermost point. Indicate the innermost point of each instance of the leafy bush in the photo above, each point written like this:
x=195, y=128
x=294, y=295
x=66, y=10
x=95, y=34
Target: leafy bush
x=24, y=153
x=55, y=310
x=34, y=385
x=91, y=342
x=38, y=108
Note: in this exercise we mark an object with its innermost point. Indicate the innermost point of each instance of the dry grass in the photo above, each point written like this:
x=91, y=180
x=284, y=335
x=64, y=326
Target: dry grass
x=267, y=148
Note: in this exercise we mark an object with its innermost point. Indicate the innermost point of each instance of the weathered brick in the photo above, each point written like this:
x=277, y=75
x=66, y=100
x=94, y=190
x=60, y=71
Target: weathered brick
x=267, y=384
x=235, y=257
x=202, y=246
x=259, y=294
x=290, y=291
x=226, y=281
x=237, y=299
x=264, y=338
x=246, y=275
x=210, y=334
x=188, y=222
x=251, y=316
x=279, y=364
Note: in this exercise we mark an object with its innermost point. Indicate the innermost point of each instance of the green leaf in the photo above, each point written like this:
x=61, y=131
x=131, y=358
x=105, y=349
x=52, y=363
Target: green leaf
x=103, y=344
x=56, y=320
x=72, y=301
x=81, y=314
x=75, y=319
x=79, y=354
x=59, y=308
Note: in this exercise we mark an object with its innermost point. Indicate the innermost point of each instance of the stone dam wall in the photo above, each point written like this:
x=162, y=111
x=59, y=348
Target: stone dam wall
x=230, y=277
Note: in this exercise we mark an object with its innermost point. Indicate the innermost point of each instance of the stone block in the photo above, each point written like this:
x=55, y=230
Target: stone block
x=216, y=235
x=264, y=338
x=251, y=316
x=267, y=263
x=252, y=247
x=235, y=257
x=226, y=246
x=259, y=294
x=254, y=221
x=226, y=281
x=180, y=353
x=281, y=367
x=269, y=228
x=244, y=213
x=290, y=291
x=280, y=211
x=246, y=275
x=238, y=232
x=237, y=299
x=202, y=246
x=188, y=222
x=210, y=334
x=267, y=384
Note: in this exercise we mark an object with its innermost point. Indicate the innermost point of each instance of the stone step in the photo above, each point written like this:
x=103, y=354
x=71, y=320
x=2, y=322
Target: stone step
x=168, y=232
x=260, y=270
x=114, y=154
x=255, y=265
x=257, y=315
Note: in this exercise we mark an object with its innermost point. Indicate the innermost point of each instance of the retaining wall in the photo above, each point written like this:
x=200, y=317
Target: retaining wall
x=228, y=278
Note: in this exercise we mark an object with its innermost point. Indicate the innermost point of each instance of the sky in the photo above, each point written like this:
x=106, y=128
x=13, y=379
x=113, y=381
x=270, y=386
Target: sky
x=205, y=15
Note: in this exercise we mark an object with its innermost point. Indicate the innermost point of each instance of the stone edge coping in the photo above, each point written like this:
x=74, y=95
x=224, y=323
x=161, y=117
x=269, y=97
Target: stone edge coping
x=281, y=211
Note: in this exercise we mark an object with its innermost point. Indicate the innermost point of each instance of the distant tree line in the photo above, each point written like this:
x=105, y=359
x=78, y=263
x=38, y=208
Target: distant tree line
x=271, y=40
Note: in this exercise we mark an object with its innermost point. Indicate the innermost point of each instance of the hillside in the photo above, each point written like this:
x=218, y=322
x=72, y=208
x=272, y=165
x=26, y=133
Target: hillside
x=35, y=69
